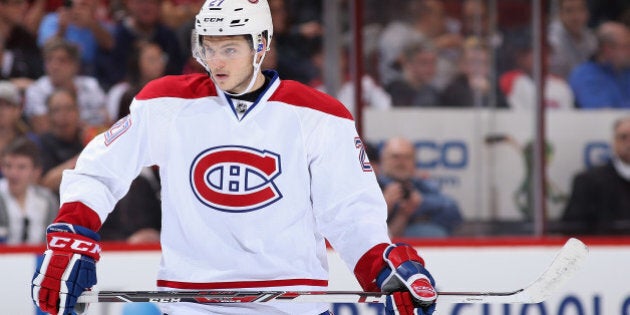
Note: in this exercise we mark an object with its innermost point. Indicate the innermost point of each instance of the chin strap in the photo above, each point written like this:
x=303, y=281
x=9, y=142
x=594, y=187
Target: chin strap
x=249, y=86
x=254, y=75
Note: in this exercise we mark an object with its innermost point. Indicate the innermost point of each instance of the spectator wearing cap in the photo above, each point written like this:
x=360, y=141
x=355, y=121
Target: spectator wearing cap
x=11, y=124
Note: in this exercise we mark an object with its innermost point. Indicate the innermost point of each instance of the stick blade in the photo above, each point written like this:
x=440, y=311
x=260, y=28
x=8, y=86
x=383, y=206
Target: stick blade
x=566, y=263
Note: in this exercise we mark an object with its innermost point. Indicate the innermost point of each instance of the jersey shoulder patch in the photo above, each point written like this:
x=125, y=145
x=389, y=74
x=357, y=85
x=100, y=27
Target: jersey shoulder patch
x=298, y=94
x=182, y=86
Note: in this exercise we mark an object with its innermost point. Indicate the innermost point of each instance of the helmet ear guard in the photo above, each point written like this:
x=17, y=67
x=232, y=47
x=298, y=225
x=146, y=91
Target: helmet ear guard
x=195, y=48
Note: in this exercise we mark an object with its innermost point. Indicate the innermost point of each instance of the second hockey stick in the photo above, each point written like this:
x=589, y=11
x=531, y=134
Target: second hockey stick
x=565, y=264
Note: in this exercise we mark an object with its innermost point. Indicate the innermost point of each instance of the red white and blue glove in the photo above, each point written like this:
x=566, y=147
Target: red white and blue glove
x=68, y=268
x=397, y=269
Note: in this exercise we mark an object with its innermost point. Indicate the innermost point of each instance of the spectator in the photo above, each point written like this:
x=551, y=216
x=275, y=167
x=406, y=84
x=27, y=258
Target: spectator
x=176, y=13
x=600, y=198
x=476, y=23
x=143, y=22
x=16, y=68
x=20, y=58
x=62, y=66
x=604, y=81
x=374, y=96
x=425, y=20
x=77, y=22
x=306, y=16
x=416, y=206
x=473, y=85
x=26, y=209
x=62, y=144
x=34, y=15
x=571, y=40
x=418, y=70
x=518, y=86
x=147, y=62
x=11, y=124
x=295, y=43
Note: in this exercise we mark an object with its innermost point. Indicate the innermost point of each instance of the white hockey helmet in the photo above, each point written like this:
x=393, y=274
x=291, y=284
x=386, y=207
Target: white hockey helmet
x=233, y=17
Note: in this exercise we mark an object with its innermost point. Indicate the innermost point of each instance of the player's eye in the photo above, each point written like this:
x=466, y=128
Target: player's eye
x=230, y=52
x=207, y=52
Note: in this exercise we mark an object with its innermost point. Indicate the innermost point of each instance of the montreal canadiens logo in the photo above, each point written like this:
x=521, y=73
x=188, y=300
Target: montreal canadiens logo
x=235, y=178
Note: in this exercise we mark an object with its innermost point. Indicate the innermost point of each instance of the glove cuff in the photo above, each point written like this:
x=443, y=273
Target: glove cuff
x=396, y=254
x=73, y=238
x=369, y=266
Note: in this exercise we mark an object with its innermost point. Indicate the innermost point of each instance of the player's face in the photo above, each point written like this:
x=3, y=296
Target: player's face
x=229, y=59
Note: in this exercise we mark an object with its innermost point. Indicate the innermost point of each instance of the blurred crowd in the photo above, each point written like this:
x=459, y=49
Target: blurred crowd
x=70, y=68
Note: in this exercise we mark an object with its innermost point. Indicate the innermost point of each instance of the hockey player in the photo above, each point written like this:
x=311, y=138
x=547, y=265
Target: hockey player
x=256, y=173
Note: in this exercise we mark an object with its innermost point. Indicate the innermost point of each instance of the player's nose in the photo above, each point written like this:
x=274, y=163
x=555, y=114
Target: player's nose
x=216, y=62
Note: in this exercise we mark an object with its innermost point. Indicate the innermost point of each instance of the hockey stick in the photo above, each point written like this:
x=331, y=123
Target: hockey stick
x=565, y=264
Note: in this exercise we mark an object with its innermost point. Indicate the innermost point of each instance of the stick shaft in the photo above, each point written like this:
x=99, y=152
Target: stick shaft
x=272, y=296
x=564, y=265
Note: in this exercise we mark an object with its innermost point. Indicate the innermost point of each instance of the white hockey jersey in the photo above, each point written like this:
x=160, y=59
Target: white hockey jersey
x=246, y=203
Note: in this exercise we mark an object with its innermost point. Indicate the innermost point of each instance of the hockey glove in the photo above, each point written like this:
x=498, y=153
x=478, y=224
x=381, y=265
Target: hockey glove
x=398, y=270
x=68, y=268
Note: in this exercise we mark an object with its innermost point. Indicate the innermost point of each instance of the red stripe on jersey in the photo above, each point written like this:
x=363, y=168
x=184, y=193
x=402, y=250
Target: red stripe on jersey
x=79, y=214
x=240, y=284
x=194, y=85
x=298, y=94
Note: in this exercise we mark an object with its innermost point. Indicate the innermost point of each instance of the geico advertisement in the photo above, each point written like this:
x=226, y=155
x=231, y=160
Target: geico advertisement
x=485, y=159
x=599, y=287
